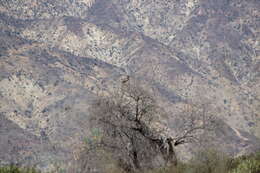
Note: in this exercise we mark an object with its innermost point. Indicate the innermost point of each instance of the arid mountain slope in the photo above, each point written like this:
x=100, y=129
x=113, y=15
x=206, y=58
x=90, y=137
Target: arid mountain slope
x=55, y=56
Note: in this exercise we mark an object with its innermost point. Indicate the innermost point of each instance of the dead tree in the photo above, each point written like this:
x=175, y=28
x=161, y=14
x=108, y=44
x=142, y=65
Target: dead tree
x=125, y=120
x=194, y=120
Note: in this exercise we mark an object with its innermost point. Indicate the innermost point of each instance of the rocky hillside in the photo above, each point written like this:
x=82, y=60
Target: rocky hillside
x=55, y=56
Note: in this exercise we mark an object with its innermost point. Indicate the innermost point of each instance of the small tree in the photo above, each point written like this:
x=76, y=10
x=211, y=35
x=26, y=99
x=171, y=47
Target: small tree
x=126, y=121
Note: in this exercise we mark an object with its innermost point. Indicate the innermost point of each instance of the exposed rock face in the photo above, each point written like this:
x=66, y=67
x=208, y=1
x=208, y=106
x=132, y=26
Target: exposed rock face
x=56, y=55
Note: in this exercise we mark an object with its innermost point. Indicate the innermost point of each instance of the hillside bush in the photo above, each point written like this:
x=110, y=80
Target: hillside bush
x=247, y=164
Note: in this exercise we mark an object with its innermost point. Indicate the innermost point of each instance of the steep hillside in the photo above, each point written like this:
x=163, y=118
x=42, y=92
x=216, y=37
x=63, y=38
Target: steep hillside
x=55, y=56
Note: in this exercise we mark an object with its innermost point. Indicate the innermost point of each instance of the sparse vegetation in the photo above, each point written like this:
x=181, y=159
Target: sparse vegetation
x=247, y=164
x=207, y=161
x=212, y=161
x=16, y=169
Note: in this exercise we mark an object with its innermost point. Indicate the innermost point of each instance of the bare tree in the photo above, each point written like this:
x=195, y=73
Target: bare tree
x=125, y=120
x=193, y=121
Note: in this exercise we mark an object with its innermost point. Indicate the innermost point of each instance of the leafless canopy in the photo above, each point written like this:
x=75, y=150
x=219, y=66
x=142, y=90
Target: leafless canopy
x=194, y=120
x=125, y=121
